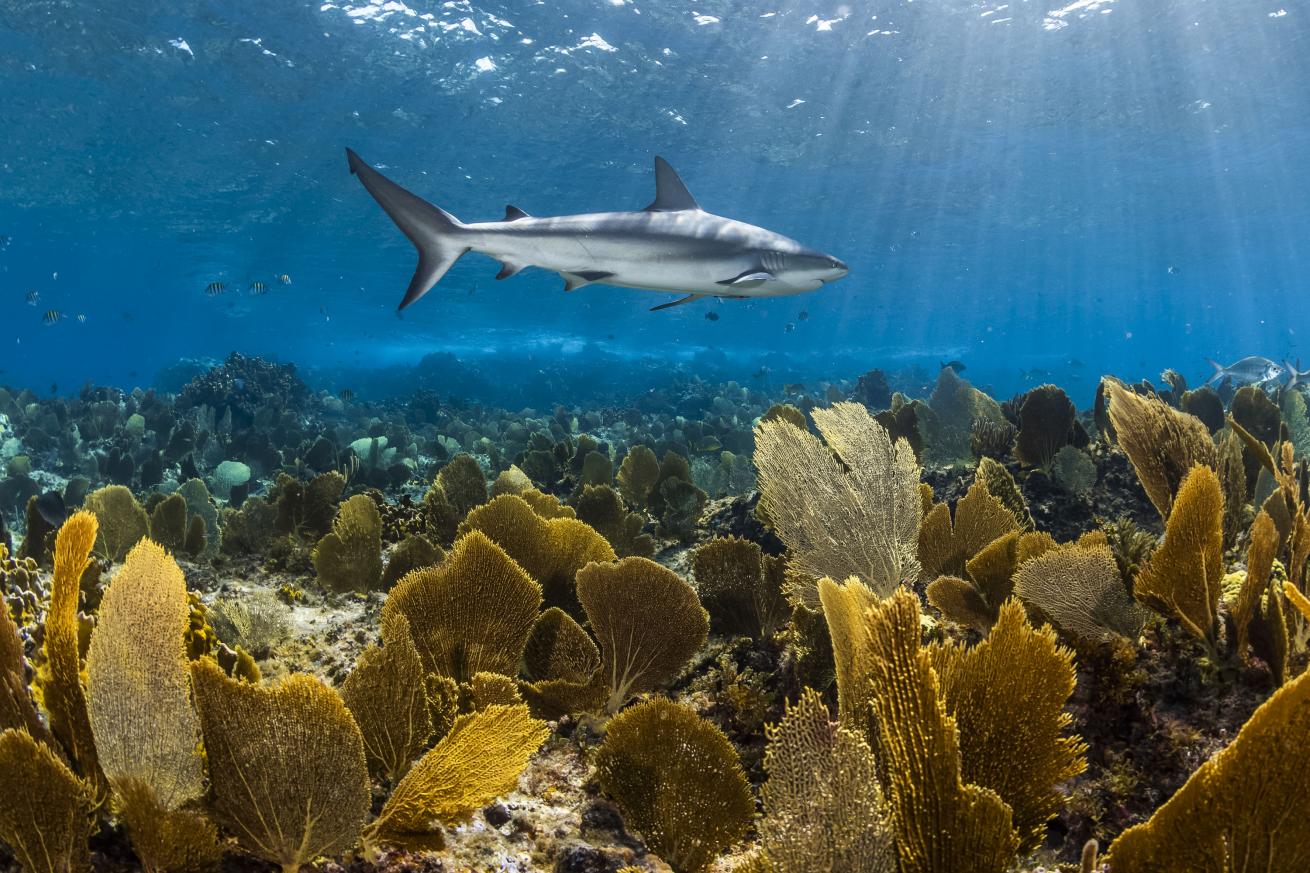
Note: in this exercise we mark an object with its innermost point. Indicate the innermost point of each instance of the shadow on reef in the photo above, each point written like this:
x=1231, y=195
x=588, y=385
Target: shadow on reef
x=716, y=628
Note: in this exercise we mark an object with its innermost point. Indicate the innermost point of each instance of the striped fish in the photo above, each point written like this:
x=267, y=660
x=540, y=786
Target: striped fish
x=258, y=288
x=51, y=316
x=284, y=279
x=33, y=298
x=213, y=289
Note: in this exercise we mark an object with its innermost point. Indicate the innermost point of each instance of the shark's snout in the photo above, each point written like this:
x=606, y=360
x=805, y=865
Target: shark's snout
x=837, y=269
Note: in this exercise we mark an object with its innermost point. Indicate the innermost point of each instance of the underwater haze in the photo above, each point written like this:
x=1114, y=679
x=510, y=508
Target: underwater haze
x=1045, y=193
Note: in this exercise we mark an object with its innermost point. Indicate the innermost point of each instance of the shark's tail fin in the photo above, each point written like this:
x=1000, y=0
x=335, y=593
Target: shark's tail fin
x=432, y=230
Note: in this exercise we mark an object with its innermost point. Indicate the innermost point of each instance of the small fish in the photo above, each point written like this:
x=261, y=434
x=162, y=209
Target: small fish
x=258, y=288
x=54, y=387
x=1173, y=271
x=803, y=315
x=1036, y=374
x=761, y=373
x=4, y=242
x=213, y=289
x=1251, y=370
x=51, y=316
x=711, y=316
x=284, y=279
x=793, y=388
x=957, y=366
x=33, y=298
x=708, y=444
x=346, y=395
x=81, y=318
x=789, y=327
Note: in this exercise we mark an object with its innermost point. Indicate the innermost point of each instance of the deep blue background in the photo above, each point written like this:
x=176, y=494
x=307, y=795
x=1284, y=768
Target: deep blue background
x=1011, y=183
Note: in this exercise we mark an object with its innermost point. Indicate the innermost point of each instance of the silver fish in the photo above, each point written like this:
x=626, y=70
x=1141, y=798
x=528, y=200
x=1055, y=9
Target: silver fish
x=1251, y=370
x=672, y=245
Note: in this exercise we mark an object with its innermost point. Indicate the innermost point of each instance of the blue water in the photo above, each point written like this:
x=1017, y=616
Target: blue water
x=1044, y=193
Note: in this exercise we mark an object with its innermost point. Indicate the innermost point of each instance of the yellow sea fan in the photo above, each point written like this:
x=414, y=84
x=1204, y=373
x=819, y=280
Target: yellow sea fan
x=480, y=759
x=138, y=685
x=61, y=678
x=286, y=765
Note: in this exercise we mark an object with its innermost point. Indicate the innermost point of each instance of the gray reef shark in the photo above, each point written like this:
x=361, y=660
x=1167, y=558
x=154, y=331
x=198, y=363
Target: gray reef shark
x=671, y=245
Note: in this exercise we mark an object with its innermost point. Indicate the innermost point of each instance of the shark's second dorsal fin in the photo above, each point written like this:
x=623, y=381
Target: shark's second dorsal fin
x=670, y=194
x=513, y=213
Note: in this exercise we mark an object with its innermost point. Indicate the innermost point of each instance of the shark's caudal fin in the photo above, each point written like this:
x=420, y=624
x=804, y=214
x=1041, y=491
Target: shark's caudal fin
x=432, y=230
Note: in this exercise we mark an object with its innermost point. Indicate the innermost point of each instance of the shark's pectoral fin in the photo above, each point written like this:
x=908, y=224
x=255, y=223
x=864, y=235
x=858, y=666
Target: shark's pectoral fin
x=513, y=213
x=508, y=268
x=749, y=279
x=574, y=281
x=690, y=298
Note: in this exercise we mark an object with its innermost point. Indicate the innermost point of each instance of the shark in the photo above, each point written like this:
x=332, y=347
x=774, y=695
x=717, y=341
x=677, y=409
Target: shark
x=672, y=245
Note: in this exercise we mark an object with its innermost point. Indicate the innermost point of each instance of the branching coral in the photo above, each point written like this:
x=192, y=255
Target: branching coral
x=740, y=586
x=847, y=508
x=551, y=550
x=678, y=782
x=1244, y=810
x=478, y=760
x=1182, y=579
x=472, y=613
x=1162, y=443
x=286, y=765
x=349, y=557
x=823, y=805
x=386, y=693
x=647, y=619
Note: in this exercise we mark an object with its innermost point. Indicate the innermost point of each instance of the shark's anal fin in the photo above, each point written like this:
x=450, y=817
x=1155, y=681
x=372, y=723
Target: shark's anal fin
x=690, y=298
x=508, y=269
x=574, y=281
x=670, y=194
x=513, y=213
x=749, y=279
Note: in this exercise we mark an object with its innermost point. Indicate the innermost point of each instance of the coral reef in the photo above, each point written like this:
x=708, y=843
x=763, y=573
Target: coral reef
x=867, y=625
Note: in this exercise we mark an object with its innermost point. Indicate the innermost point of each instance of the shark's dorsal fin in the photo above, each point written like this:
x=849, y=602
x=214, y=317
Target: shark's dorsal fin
x=670, y=194
x=513, y=213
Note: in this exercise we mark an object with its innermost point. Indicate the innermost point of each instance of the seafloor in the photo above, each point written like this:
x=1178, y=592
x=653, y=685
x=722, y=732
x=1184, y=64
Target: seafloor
x=574, y=633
